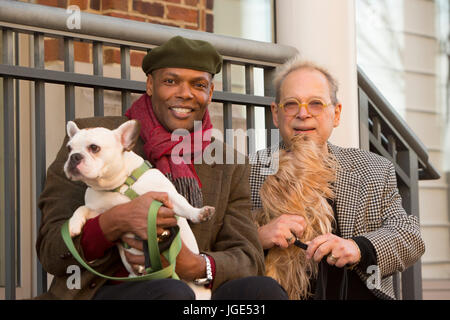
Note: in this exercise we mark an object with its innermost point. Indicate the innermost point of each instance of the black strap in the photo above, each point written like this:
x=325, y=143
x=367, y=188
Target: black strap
x=322, y=278
x=344, y=285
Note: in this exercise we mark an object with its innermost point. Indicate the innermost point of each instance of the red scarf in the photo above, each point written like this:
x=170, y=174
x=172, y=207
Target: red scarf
x=158, y=148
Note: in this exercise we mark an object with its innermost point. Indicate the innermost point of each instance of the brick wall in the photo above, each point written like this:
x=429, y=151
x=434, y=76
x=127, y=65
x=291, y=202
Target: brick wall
x=187, y=14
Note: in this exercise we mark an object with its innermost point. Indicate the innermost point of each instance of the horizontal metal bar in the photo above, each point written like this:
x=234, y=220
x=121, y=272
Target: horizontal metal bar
x=242, y=99
x=65, y=78
x=143, y=32
x=110, y=42
x=91, y=81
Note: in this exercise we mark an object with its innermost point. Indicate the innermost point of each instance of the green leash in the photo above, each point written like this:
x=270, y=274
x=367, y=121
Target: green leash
x=156, y=271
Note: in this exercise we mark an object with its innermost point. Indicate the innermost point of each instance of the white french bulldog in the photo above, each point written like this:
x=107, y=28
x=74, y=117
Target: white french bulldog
x=103, y=159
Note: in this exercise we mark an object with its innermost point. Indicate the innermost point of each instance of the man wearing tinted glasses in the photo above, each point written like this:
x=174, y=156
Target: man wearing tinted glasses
x=373, y=233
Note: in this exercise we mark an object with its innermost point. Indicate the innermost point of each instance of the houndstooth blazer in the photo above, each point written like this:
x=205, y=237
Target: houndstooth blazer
x=368, y=204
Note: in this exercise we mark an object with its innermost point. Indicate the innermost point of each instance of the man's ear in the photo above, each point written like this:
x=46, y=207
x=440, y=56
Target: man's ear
x=149, y=85
x=211, y=91
x=72, y=129
x=128, y=134
x=337, y=115
x=274, y=109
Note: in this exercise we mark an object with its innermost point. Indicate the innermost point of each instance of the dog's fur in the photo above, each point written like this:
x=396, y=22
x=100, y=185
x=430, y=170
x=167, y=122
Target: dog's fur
x=301, y=186
x=107, y=168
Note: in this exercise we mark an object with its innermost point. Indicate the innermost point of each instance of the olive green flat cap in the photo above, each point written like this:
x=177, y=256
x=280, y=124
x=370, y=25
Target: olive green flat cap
x=179, y=52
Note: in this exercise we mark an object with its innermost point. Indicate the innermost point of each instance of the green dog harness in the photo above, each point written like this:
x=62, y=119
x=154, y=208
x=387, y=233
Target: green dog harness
x=155, y=271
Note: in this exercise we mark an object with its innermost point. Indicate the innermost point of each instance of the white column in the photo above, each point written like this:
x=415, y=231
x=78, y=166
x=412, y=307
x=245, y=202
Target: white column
x=324, y=32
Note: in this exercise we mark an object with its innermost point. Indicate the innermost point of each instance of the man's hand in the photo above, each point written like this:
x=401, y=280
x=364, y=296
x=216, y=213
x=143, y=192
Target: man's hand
x=278, y=231
x=339, y=251
x=189, y=265
x=132, y=217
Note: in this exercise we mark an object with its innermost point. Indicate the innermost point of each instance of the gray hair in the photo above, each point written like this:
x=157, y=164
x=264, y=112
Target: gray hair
x=296, y=63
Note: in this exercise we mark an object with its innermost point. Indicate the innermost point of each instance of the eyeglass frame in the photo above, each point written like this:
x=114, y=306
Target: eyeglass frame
x=300, y=105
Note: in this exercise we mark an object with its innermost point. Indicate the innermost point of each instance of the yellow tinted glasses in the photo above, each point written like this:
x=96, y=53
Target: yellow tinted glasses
x=313, y=106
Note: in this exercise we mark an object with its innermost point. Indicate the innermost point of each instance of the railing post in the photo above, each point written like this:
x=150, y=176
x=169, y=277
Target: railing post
x=9, y=178
x=97, y=48
x=364, y=130
x=40, y=152
x=250, y=110
x=411, y=277
x=18, y=172
x=227, y=106
x=69, y=66
x=269, y=91
x=125, y=74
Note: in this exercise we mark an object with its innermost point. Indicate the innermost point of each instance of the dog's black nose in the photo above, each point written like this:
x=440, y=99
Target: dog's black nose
x=75, y=159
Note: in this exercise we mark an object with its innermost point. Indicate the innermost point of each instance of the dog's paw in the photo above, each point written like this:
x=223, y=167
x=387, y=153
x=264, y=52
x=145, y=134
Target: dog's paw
x=75, y=226
x=205, y=214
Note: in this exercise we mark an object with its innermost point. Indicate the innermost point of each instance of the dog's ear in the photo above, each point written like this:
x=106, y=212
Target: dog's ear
x=72, y=129
x=128, y=133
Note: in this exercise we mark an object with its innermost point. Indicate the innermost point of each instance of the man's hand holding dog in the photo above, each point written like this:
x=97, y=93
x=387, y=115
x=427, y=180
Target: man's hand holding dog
x=281, y=231
x=189, y=265
x=132, y=217
x=339, y=251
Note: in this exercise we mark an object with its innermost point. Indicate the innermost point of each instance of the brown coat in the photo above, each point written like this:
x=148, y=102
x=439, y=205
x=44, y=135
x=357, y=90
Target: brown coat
x=229, y=237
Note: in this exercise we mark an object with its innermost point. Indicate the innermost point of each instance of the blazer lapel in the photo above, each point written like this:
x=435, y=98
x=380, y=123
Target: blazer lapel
x=348, y=194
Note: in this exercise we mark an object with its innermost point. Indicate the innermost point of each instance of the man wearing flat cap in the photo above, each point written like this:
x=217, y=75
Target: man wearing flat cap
x=179, y=89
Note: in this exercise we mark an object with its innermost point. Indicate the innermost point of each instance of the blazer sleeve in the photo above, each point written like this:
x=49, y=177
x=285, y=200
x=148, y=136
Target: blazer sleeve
x=237, y=252
x=398, y=242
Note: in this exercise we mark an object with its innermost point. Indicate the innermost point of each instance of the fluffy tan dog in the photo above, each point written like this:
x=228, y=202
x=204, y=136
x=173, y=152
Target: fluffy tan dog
x=301, y=186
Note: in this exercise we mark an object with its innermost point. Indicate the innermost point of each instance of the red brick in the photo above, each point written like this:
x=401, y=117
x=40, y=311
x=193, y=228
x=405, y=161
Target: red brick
x=121, y=5
x=53, y=3
x=209, y=22
x=149, y=9
x=136, y=58
x=53, y=49
x=124, y=16
x=82, y=4
x=183, y=14
x=111, y=55
x=192, y=27
x=193, y=3
x=82, y=51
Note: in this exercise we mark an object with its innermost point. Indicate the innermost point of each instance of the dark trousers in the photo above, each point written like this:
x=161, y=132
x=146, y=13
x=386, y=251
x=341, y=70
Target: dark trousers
x=249, y=288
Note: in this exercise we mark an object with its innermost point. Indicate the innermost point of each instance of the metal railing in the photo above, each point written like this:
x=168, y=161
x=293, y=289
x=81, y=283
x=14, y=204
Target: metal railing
x=41, y=22
x=384, y=132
